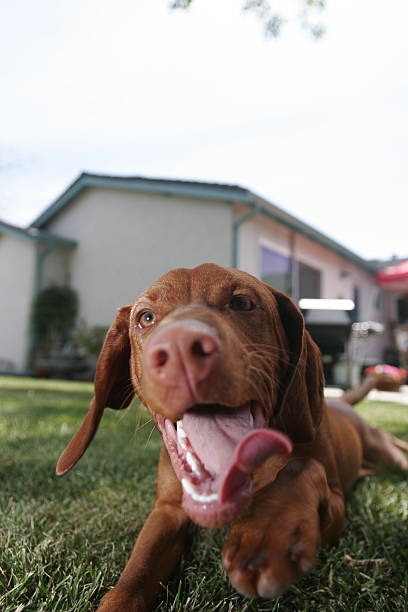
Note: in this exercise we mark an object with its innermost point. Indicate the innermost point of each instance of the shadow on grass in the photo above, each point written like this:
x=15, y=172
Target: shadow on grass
x=28, y=468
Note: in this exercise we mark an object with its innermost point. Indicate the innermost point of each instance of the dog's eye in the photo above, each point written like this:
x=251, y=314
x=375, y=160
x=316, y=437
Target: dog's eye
x=146, y=319
x=241, y=302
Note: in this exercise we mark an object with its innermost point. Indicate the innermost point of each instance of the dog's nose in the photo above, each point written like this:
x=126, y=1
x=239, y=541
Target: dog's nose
x=182, y=352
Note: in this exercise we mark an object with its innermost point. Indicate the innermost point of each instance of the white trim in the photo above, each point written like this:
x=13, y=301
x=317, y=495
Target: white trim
x=272, y=246
x=326, y=304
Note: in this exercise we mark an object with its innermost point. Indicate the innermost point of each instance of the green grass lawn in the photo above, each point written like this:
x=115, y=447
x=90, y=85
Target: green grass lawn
x=64, y=541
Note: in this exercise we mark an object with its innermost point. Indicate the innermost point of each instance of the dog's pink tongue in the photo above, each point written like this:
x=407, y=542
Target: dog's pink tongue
x=252, y=452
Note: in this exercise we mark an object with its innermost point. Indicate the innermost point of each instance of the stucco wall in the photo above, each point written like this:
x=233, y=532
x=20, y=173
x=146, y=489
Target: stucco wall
x=338, y=275
x=339, y=278
x=17, y=260
x=255, y=233
x=56, y=268
x=127, y=239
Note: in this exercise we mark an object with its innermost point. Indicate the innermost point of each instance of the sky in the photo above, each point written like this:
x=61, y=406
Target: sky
x=130, y=87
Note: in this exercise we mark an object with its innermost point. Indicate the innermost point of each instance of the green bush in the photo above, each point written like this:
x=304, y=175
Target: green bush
x=90, y=339
x=54, y=314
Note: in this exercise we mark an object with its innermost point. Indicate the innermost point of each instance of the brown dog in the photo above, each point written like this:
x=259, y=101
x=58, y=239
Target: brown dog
x=220, y=359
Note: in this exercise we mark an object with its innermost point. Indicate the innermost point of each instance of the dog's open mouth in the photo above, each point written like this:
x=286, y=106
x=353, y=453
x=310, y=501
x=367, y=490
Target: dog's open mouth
x=214, y=451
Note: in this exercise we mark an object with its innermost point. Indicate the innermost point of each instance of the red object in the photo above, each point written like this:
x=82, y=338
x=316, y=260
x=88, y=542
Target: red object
x=386, y=369
x=395, y=277
x=389, y=378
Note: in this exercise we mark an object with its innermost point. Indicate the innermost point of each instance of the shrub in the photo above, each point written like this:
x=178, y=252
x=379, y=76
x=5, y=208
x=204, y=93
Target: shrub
x=54, y=314
x=90, y=339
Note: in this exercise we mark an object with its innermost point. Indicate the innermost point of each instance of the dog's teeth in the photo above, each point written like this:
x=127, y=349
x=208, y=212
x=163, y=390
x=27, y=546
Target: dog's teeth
x=191, y=460
x=180, y=430
x=191, y=490
x=193, y=464
x=181, y=435
x=251, y=420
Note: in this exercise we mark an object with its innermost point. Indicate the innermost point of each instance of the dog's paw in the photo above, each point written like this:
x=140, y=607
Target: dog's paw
x=263, y=559
x=118, y=600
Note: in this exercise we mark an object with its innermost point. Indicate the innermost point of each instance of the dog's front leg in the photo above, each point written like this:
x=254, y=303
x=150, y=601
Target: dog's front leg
x=157, y=550
x=277, y=539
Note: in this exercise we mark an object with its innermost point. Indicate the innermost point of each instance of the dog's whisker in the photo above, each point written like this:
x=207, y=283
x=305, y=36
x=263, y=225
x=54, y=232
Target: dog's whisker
x=141, y=427
x=150, y=435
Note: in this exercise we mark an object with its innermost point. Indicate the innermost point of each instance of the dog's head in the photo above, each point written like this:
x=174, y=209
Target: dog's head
x=219, y=358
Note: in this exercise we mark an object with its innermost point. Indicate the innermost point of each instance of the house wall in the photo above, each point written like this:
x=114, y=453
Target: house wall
x=56, y=268
x=17, y=264
x=257, y=232
x=339, y=276
x=128, y=239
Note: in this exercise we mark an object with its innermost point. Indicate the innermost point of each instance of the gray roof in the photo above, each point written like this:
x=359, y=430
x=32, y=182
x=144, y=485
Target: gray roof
x=196, y=189
x=34, y=234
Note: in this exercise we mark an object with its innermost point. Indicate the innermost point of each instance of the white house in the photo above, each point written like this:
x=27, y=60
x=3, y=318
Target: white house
x=108, y=237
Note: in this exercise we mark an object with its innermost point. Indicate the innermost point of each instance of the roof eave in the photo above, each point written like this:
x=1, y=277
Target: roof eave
x=36, y=236
x=225, y=193
x=168, y=188
x=280, y=216
x=17, y=232
x=53, y=240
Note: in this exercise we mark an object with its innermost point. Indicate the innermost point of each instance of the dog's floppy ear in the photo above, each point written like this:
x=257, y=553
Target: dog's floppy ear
x=300, y=403
x=113, y=388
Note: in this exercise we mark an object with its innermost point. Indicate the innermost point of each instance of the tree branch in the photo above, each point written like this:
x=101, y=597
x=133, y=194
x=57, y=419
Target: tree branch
x=273, y=20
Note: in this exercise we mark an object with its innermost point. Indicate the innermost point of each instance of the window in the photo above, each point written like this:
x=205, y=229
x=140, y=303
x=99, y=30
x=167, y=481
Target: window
x=402, y=309
x=293, y=277
x=276, y=269
x=309, y=281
